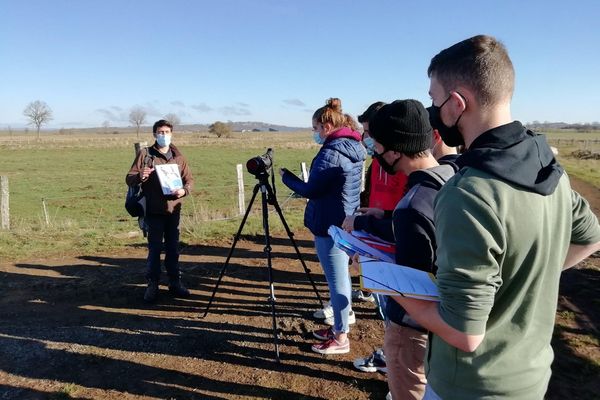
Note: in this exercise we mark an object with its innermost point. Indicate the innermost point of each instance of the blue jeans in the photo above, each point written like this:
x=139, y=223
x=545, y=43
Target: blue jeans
x=163, y=227
x=430, y=394
x=335, y=266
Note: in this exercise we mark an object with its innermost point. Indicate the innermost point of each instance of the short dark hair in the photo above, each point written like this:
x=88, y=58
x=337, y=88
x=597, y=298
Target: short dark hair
x=370, y=111
x=480, y=63
x=160, y=123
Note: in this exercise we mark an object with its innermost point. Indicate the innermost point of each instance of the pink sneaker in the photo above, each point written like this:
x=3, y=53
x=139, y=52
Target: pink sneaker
x=332, y=346
x=323, y=334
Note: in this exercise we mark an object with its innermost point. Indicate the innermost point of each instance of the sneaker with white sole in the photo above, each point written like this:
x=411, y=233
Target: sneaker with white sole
x=325, y=312
x=373, y=363
x=351, y=319
x=359, y=295
x=332, y=346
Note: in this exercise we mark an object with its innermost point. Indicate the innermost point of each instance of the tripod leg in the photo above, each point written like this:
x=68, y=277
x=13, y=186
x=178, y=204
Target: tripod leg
x=272, y=299
x=235, y=240
x=291, y=236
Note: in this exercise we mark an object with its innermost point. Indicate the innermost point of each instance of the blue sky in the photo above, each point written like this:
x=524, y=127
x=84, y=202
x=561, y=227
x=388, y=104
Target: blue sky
x=277, y=61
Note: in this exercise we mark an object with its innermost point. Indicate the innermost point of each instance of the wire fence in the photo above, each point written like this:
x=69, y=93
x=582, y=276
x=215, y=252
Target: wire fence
x=577, y=145
x=207, y=204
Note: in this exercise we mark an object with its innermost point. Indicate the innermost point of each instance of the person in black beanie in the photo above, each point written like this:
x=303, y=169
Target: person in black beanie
x=403, y=136
x=402, y=126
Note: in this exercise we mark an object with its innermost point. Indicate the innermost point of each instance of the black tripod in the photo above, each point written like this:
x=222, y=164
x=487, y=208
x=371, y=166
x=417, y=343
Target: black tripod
x=268, y=197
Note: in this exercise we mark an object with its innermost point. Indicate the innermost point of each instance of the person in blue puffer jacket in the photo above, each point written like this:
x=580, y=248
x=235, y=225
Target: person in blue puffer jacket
x=333, y=191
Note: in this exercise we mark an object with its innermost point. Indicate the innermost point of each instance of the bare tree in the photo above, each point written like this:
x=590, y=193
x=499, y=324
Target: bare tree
x=137, y=116
x=38, y=114
x=173, y=118
x=106, y=126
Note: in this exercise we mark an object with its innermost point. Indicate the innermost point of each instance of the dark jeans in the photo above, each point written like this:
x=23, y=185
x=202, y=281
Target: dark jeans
x=163, y=227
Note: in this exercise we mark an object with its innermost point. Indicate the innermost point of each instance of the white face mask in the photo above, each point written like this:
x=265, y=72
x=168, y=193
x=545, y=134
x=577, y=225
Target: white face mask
x=317, y=138
x=369, y=143
x=163, y=140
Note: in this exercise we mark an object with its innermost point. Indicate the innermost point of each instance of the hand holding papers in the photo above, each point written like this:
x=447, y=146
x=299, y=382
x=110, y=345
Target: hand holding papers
x=393, y=279
x=169, y=177
x=362, y=243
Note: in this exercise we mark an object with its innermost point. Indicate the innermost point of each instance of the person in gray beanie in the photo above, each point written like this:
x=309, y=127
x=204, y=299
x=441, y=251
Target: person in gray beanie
x=403, y=136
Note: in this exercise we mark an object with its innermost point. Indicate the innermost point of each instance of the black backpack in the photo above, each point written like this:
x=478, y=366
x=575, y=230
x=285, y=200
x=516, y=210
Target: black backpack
x=135, y=201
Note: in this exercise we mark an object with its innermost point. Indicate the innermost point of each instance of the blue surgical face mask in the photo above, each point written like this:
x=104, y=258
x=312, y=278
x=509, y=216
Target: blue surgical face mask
x=317, y=138
x=369, y=143
x=163, y=140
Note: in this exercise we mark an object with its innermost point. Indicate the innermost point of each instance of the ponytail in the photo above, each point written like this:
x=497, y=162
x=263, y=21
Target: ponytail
x=332, y=112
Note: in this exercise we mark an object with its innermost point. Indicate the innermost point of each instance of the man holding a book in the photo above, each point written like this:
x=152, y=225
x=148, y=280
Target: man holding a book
x=164, y=184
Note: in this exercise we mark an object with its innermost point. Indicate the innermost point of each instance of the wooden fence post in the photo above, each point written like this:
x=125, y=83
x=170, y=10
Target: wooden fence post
x=138, y=146
x=45, y=211
x=363, y=176
x=4, y=211
x=241, y=197
x=304, y=173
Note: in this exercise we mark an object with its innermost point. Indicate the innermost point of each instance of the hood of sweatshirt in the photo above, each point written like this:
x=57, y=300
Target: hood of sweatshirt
x=517, y=155
x=352, y=149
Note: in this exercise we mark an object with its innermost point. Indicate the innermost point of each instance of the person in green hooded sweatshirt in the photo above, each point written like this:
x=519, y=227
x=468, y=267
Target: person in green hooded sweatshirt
x=507, y=225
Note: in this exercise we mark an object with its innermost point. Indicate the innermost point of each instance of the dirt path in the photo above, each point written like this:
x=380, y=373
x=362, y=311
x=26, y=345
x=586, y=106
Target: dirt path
x=80, y=321
x=590, y=192
x=75, y=327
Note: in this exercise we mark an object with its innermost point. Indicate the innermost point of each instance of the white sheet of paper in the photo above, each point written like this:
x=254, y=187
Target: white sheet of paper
x=389, y=278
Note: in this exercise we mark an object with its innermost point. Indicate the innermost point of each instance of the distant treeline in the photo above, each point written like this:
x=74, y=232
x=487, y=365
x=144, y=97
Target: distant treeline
x=547, y=126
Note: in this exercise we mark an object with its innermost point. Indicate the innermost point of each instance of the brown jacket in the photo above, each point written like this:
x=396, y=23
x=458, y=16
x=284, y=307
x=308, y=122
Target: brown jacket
x=156, y=201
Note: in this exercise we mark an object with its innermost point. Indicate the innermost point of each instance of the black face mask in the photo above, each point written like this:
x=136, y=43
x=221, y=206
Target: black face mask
x=388, y=168
x=450, y=134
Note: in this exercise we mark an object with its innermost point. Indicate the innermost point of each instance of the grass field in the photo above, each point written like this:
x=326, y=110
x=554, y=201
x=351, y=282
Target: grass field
x=570, y=142
x=80, y=180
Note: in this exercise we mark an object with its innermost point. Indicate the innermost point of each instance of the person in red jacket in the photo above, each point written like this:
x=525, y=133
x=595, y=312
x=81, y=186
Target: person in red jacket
x=382, y=190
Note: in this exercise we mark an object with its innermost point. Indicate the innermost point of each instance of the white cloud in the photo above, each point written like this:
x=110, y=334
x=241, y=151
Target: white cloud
x=202, y=107
x=294, y=102
x=232, y=110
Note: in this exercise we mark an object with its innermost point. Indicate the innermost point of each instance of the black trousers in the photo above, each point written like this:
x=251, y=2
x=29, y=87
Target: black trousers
x=163, y=229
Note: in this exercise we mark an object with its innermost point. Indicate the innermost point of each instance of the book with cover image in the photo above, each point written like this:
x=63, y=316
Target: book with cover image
x=169, y=177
